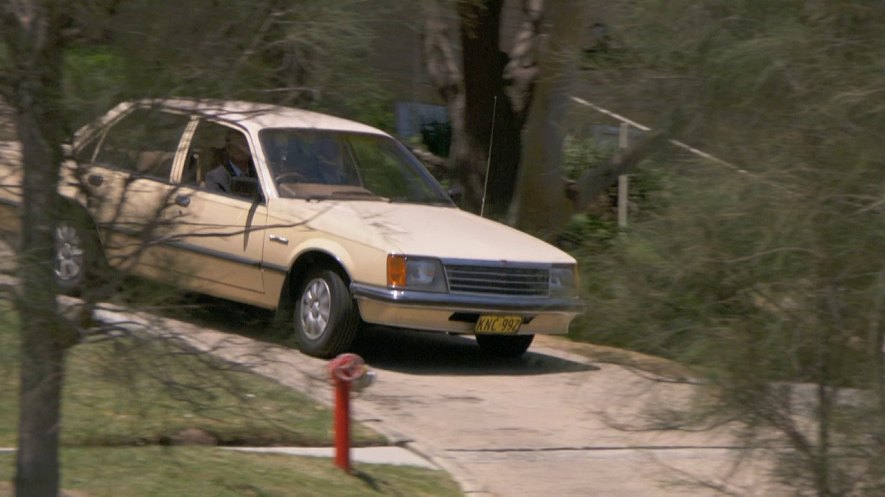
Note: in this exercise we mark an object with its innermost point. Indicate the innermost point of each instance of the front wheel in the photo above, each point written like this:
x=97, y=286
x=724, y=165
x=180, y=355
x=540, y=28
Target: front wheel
x=78, y=257
x=325, y=319
x=504, y=345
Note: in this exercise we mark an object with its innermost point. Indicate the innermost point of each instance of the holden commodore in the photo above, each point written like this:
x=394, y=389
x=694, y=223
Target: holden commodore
x=330, y=222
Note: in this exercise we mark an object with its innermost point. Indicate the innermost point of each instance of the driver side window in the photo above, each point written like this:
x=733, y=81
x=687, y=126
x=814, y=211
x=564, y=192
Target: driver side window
x=220, y=161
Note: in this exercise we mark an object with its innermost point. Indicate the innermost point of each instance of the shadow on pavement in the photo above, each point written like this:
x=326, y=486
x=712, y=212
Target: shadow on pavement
x=430, y=353
x=405, y=351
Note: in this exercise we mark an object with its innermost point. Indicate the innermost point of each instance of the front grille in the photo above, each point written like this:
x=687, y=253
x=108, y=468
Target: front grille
x=498, y=280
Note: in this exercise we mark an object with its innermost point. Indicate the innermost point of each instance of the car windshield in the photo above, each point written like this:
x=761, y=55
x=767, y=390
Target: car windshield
x=318, y=165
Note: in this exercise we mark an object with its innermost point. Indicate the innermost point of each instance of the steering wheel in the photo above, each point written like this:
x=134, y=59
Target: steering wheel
x=289, y=177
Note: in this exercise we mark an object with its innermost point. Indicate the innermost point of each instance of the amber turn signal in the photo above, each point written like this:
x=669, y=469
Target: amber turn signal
x=396, y=271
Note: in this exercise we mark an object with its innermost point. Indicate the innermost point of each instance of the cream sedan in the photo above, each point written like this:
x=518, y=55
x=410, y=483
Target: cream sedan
x=330, y=222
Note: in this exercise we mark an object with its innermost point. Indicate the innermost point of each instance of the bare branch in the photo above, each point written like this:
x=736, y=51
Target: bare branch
x=596, y=181
x=428, y=157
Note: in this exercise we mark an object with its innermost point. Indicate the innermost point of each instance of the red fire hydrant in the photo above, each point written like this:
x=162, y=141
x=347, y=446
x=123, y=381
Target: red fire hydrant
x=347, y=372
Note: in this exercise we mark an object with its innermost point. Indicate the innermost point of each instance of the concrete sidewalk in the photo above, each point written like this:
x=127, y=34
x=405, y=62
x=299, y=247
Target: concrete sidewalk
x=397, y=456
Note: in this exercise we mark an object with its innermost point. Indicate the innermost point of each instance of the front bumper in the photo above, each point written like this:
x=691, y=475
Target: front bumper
x=457, y=313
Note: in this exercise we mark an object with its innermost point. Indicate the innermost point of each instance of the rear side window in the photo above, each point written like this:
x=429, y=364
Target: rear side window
x=143, y=142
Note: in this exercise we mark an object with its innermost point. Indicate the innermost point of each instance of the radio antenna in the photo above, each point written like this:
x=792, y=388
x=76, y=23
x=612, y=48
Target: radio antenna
x=485, y=187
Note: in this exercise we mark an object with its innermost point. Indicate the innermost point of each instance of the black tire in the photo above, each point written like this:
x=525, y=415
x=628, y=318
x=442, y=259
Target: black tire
x=326, y=319
x=79, y=262
x=504, y=345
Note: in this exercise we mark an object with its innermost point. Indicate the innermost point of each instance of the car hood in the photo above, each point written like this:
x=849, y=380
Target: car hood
x=426, y=230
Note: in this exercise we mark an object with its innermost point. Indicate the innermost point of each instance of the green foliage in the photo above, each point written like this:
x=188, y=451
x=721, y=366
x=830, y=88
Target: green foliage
x=595, y=229
x=371, y=106
x=310, y=54
x=774, y=271
x=9, y=350
x=582, y=154
x=588, y=231
x=201, y=471
x=772, y=86
x=95, y=81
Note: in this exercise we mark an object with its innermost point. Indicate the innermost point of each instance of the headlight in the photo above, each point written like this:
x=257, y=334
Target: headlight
x=415, y=273
x=563, y=281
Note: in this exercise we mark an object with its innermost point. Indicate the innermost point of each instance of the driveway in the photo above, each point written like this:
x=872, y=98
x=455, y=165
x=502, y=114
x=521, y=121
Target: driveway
x=553, y=423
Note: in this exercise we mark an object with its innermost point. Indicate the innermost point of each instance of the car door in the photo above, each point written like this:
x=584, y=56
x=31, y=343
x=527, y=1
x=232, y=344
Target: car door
x=125, y=171
x=218, y=237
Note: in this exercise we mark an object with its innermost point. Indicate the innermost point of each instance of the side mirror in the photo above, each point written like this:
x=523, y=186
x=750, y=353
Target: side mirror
x=455, y=193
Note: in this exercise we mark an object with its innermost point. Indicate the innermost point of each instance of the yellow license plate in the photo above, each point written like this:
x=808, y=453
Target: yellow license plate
x=498, y=324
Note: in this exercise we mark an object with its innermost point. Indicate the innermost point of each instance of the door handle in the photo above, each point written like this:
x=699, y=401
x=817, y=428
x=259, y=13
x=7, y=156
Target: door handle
x=279, y=239
x=95, y=179
x=183, y=200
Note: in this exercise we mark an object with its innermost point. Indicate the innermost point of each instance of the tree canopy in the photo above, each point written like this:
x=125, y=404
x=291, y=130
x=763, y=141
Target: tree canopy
x=769, y=271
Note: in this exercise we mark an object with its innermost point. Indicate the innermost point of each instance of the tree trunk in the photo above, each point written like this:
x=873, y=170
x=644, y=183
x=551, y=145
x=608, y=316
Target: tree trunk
x=445, y=74
x=524, y=178
x=479, y=32
x=540, y=202
x=31, y=31
x=488, y=101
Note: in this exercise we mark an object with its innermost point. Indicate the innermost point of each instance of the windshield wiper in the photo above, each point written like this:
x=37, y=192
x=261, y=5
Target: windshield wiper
x=444, y=203
x=357, y=193
x=345, y=194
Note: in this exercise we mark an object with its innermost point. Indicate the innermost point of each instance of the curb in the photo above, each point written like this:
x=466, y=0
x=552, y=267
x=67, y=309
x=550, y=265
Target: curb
x=397, y=456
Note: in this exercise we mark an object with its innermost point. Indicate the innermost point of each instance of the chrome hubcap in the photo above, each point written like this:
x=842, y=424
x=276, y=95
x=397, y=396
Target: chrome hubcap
x=316, y=308
x=68, y=253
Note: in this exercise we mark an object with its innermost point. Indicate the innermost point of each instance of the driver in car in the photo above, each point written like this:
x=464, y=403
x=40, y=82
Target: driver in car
x=236, y=161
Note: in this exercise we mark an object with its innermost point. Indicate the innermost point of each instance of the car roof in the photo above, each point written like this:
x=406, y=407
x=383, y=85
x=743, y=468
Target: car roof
x=251, y=115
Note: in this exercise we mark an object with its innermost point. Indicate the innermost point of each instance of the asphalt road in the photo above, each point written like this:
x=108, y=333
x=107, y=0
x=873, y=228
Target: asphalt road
x=552, y=423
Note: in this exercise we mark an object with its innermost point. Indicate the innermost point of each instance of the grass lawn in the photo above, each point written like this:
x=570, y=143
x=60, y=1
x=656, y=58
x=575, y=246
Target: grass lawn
x=210, y=471
x=127, y=401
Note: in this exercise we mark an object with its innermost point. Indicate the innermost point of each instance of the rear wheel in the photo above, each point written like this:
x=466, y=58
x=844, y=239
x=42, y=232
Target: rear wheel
x=325, y=318
x=505, y=346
